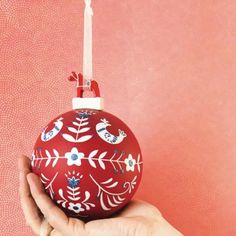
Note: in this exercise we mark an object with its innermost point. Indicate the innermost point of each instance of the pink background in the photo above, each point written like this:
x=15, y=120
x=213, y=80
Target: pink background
x=166, y=67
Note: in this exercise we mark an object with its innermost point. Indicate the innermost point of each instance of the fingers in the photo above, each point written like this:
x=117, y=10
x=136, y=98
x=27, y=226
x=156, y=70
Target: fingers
x=55, y=233
x=118, y=226
x=24, y=169
x=54, y=215
x=29, y=207
x=150, y=216
x=162, y=228
x=140, y=208
x=138, y=225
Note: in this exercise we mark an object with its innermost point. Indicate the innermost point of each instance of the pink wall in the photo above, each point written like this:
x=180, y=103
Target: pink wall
x=166, y=67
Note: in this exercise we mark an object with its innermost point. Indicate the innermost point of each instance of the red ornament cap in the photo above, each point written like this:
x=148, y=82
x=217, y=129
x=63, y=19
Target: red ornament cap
x=80, y=102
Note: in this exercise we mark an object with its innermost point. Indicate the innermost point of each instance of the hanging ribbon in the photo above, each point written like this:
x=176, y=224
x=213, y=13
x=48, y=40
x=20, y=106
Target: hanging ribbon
x=87, y=54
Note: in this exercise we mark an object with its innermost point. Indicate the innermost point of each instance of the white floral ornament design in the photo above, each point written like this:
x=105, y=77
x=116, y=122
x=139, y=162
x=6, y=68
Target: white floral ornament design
x=75, y=207
x=130, y=163
x=74, y=157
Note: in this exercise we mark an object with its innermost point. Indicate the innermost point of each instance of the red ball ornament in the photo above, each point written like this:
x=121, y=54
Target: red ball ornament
x=88, y=160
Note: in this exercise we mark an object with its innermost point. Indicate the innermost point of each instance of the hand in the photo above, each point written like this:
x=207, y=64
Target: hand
x=137, y=219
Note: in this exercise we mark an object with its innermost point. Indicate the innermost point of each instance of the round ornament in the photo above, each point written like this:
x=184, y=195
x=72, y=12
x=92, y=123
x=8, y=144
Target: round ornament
x=88, y=160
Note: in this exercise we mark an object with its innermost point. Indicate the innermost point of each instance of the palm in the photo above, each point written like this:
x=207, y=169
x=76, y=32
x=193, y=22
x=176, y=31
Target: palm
x=137, y=219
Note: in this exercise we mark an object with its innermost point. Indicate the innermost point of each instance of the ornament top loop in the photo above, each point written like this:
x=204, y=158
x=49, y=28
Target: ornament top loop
x=85, y=82
x=87, y=51
x=87, y=2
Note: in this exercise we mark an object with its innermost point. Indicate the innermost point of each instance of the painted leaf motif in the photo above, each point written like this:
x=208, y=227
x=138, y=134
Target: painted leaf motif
x=49, y=158
x=84, y=138
x=102, y=155
x=134, y=181
x=55, y=152
x=68, y=138
x=120, y=198
x=81, y=119
x=116, y=200
x=57, y=157
x=104, y=207
x=101, y=163
x=44, y=182
x=60, y=191
x=110, y=202
x=69, y=192
x=108, y=181
x=84, y=123
x=44, y=177
x=87, y=196
x=76, y=123
x=138, y=164
x=93, y=153
x=113, y=185
x=74, y=198
x=73, y=130
x=73, y=189
x=91, y=162
x=83, y=130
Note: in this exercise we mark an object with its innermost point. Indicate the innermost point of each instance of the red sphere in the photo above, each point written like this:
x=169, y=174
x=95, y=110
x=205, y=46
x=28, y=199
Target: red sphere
x=89, y=162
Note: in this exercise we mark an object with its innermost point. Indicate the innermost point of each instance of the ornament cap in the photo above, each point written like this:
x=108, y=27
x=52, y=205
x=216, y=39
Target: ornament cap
x=81, y=102
x=96, y=103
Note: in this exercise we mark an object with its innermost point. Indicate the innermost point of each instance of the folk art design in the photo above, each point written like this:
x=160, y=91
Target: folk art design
x=80, y=126
x=73, y=200
x=114, y=199
x=104, y=134
x=101, y=159
x=74, y=157
x=46, y=136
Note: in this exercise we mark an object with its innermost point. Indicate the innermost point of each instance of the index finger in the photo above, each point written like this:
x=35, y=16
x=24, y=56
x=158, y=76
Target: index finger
x=32, y=215
x=139, y=208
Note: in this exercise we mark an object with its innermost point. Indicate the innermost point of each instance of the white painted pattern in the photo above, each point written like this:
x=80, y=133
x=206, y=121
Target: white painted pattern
x=76, y=134
x=105, y=135
x=49, y=184
x=71, y=199
x=95, y=159
x=108, y=199
x=46, y=136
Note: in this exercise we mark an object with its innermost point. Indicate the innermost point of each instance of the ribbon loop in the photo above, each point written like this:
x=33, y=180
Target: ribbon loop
x=87, y=53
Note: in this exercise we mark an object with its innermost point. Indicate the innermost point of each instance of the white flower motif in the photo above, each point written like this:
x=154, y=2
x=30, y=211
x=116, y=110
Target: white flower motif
x=75, y=207
x=130, y=163
x=74, y=157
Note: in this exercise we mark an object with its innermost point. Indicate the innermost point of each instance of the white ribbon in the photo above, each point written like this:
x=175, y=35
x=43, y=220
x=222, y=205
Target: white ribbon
x=87, y=57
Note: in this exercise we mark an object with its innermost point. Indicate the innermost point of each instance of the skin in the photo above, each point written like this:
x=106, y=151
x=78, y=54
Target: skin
x=138, y=218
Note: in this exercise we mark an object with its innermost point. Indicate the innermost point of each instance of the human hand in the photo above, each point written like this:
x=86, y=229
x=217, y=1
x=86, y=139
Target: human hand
x=138, y=218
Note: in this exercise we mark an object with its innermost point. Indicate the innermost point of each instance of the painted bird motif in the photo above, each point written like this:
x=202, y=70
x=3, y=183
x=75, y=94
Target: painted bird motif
x=104, y=134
